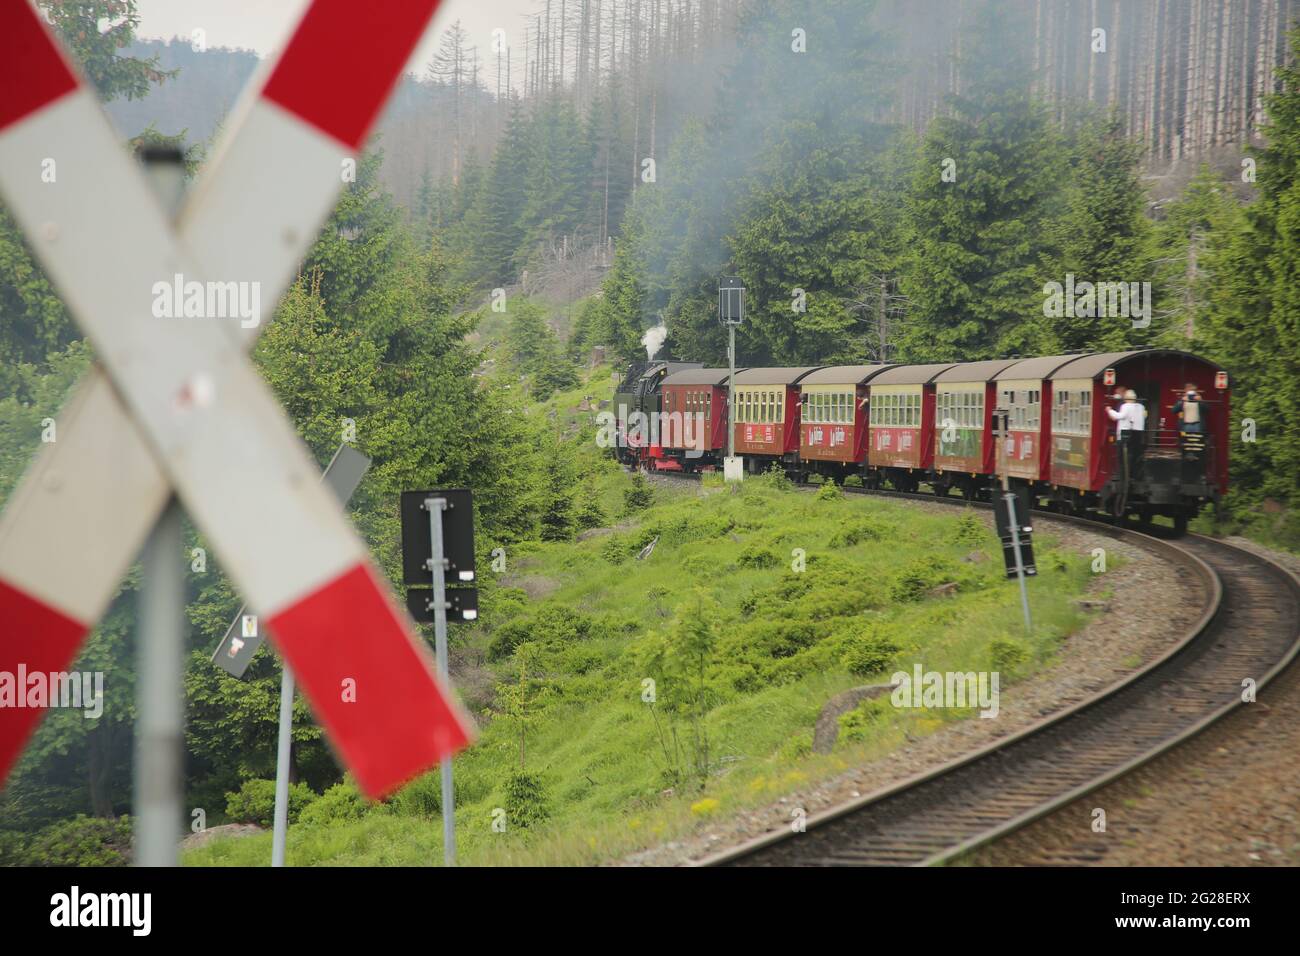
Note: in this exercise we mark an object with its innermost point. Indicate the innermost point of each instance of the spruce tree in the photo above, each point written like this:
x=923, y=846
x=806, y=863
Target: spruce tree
x=1251, y=322
x=977, y=206
x=1103, y=237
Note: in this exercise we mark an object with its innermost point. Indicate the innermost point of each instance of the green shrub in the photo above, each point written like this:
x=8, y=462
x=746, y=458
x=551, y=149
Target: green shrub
x=341, y=803
x=755, y=556
x=551, y=624
x=422, y=797
x=860, y=723
x=774, y=478
x=869, y=652
x=971, y=530
x=639, y=495
x=589, y=513
x=254, y=802
x=1006, y=654
x=1056, y=561
x=860, y=531
x=778, y=638
x=81, y=841
x=700, y=564
x=829, y=491
x=798, y=746
x=527, y=803
x=615, y=549
x=13, y=848
x=918, y=577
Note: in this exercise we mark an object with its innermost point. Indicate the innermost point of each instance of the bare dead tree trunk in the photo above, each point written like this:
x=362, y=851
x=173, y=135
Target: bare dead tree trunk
x=1149, y=135
x=1092, y=53
x=1224, y=73
x=1191, y=100
x=656, y=53
x=634, y=14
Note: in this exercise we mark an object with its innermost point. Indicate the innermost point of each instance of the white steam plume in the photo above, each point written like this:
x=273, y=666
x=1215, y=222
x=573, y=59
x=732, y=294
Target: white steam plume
x=653, y=339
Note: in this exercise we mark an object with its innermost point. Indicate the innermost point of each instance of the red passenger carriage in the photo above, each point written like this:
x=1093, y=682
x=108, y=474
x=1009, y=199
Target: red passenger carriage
x=901, y=444
x=767, y=416
x=833, y=419
x=694, y=423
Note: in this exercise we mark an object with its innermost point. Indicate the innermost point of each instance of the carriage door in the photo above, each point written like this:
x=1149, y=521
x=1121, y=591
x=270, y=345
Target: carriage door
x=1149, y=394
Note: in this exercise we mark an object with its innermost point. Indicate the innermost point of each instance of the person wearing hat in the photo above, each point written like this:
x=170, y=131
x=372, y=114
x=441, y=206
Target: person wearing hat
x=1130, y=428
x=1188, y=409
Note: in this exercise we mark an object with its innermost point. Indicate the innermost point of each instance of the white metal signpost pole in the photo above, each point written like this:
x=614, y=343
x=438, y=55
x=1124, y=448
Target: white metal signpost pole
x=184, y=403
x=280, y=835
x=236, y=650
x=160, y=653
x=438, y=565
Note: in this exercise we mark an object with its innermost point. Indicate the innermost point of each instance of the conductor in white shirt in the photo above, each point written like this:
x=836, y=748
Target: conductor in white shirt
x=1130, y=428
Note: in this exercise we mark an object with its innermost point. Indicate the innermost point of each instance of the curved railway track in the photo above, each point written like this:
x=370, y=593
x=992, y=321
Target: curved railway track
x=1250, y=629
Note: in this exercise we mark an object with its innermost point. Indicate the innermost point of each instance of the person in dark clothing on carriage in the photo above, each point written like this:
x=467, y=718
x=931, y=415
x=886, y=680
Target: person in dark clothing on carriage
x=1191, y=410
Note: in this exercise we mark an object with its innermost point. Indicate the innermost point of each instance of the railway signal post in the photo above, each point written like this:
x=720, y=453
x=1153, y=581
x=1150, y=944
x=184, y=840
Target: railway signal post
x=731, y=312
x=1017, y=554
x=449, y=547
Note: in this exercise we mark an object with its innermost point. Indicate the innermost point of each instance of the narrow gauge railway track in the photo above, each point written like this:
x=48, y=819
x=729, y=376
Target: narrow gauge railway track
x=1250, y=628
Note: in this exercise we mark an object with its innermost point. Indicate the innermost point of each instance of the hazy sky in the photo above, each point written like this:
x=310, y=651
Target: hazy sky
x=262, y=25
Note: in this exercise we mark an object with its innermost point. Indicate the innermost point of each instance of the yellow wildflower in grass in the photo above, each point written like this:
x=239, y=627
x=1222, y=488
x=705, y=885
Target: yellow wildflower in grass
x=705, y=808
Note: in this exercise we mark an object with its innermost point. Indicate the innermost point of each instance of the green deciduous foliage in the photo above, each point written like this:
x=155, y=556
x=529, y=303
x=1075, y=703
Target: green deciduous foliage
x=254, y=802
x=681, y=662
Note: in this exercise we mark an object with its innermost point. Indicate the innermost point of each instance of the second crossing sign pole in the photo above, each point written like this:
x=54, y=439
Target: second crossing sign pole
x=243, y=638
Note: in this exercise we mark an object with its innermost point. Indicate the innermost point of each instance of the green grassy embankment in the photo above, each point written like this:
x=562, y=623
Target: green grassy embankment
x=754, y=608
